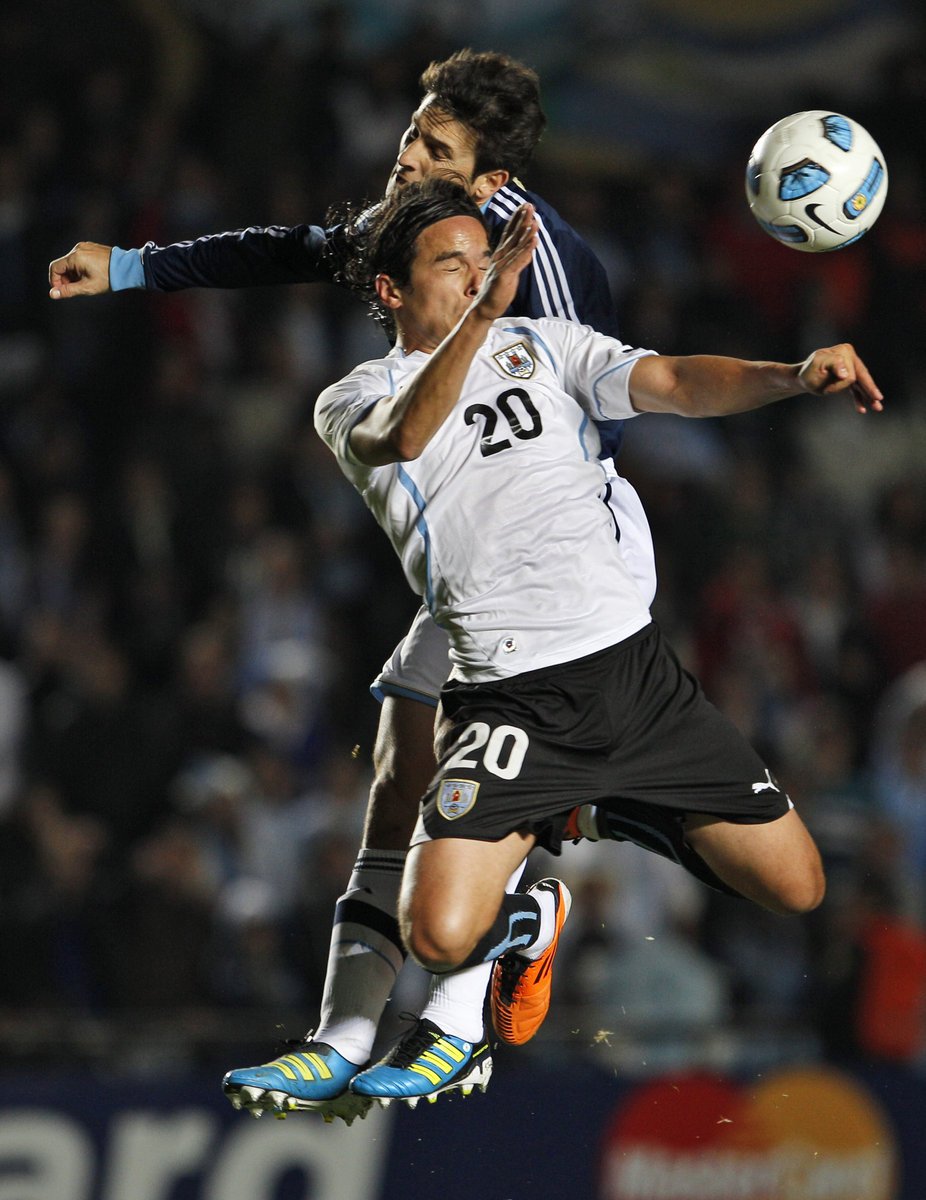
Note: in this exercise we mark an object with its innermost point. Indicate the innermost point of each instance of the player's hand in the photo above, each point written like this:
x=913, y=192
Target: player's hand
x=839, y=369
x=512, y=255
x=82, y=272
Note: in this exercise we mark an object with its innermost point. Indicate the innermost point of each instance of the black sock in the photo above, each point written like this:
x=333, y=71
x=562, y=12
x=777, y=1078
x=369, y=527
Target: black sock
x=516, y=927
x=660, y=830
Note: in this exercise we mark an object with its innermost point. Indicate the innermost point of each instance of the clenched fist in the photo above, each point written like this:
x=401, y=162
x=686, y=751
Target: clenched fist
x=82, y=272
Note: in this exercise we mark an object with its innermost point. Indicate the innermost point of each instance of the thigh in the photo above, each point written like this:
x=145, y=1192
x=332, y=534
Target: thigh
x=403, y=760
x=775, y=863
x=458, y=882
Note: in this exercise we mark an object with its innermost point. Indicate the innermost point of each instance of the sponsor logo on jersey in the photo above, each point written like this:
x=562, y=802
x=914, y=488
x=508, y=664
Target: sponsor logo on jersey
x=765, y=785
x=456, y=797
x=516, y=360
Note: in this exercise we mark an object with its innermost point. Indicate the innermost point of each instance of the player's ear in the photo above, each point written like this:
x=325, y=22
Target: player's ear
x=486, y=185
x=388, y=293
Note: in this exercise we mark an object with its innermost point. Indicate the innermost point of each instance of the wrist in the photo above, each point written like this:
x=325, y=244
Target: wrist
x=125, y=269
x=799, y=372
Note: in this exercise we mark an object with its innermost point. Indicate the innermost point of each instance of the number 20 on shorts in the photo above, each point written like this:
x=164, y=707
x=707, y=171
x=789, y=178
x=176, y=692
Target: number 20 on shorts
x=505, y=748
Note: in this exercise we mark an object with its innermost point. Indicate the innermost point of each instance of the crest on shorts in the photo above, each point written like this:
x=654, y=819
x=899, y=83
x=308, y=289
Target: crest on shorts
x=456, y=797
x=516, y=360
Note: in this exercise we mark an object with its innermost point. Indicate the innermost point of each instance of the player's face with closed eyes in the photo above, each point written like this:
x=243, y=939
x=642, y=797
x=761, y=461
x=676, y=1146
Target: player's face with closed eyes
x=451, y=259
x=434, y=143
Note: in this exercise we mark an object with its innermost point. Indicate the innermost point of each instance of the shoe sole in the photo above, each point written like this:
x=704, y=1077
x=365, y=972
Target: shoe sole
x=257, y=1101
x=477, y=1076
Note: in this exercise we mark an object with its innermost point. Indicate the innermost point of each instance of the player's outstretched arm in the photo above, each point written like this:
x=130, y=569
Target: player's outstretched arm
x=703, y=385
x=83, y=271
x=252, y=257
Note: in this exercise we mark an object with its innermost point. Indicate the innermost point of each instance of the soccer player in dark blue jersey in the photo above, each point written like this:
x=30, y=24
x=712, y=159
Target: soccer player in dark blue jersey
x=479, y=121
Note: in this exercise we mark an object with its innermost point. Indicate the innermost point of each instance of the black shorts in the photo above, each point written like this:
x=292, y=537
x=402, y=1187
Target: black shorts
x=627, y=725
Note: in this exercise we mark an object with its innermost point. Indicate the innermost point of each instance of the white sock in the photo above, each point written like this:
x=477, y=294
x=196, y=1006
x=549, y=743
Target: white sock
x=457, y=1001
x=365, y=955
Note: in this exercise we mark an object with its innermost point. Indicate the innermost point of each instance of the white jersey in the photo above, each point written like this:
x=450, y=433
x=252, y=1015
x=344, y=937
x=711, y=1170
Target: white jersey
x=501, y=523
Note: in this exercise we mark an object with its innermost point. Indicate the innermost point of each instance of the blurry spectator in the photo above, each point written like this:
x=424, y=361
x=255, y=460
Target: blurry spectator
x=821, y=599
x=895, y=615
x=63, y=568
x=163, y=924
x=102, y=742
x=284, y=667
x=631, y=957
x=206, y=706
x=873, y=1001
x=765, y=958
x=179, y=430
x=14, y=713
x=901, y=785
x=14, y=560
x=278, y=821
x=55, y=946
x=260, y=412
x=746, y=630
x=252, y=963
x=211, y=792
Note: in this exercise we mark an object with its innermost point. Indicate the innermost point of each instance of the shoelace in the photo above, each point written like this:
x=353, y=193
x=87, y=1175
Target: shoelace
x=288, y=1045
x=417, y=1040
x=510, y=969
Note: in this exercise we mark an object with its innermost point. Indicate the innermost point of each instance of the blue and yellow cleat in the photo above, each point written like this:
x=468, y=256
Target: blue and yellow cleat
x=425, y=1063
x=311, y=1076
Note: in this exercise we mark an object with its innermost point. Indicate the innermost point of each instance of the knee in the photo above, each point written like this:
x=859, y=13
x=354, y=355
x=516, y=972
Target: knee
x=437, y=942
x=802, y=893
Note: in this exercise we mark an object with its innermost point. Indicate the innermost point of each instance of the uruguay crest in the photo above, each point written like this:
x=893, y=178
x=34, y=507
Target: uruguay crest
x=516, y=360
x=456, y=797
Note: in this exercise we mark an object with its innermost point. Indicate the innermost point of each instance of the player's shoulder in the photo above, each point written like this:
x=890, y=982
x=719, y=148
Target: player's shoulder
x=548, y=339
x=509, y=198
x=372, y=373
x=533, y=326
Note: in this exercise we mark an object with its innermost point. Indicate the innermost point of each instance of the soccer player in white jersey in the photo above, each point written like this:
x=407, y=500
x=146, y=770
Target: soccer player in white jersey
x=473, y=445
x=480, y=119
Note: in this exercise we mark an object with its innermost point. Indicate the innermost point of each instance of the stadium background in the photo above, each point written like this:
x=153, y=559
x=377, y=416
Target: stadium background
x=192, y=602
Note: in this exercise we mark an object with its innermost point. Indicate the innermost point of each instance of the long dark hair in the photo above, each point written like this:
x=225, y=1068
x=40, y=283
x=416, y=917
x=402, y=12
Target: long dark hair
x=379, y=239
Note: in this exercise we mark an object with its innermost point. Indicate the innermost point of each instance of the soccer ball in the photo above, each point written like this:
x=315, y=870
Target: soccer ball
x=816, y=181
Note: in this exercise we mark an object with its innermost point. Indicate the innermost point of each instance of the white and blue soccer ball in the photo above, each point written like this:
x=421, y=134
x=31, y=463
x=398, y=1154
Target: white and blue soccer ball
x=816, y=181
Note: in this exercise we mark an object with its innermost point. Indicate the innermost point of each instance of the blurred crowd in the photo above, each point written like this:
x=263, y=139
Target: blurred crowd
x=193, y=601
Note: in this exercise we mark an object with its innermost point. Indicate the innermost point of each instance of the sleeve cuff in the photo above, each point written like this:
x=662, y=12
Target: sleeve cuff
x=125, y=270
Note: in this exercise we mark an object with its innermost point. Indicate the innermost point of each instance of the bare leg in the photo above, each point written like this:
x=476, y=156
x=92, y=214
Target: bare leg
x=367, y=951
x=403, y=763
x=451, y=895
x=776, y=864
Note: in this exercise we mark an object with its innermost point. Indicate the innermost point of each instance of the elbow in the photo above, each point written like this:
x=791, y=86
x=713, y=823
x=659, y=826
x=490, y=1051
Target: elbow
x=389, y=446
x=404, y=444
